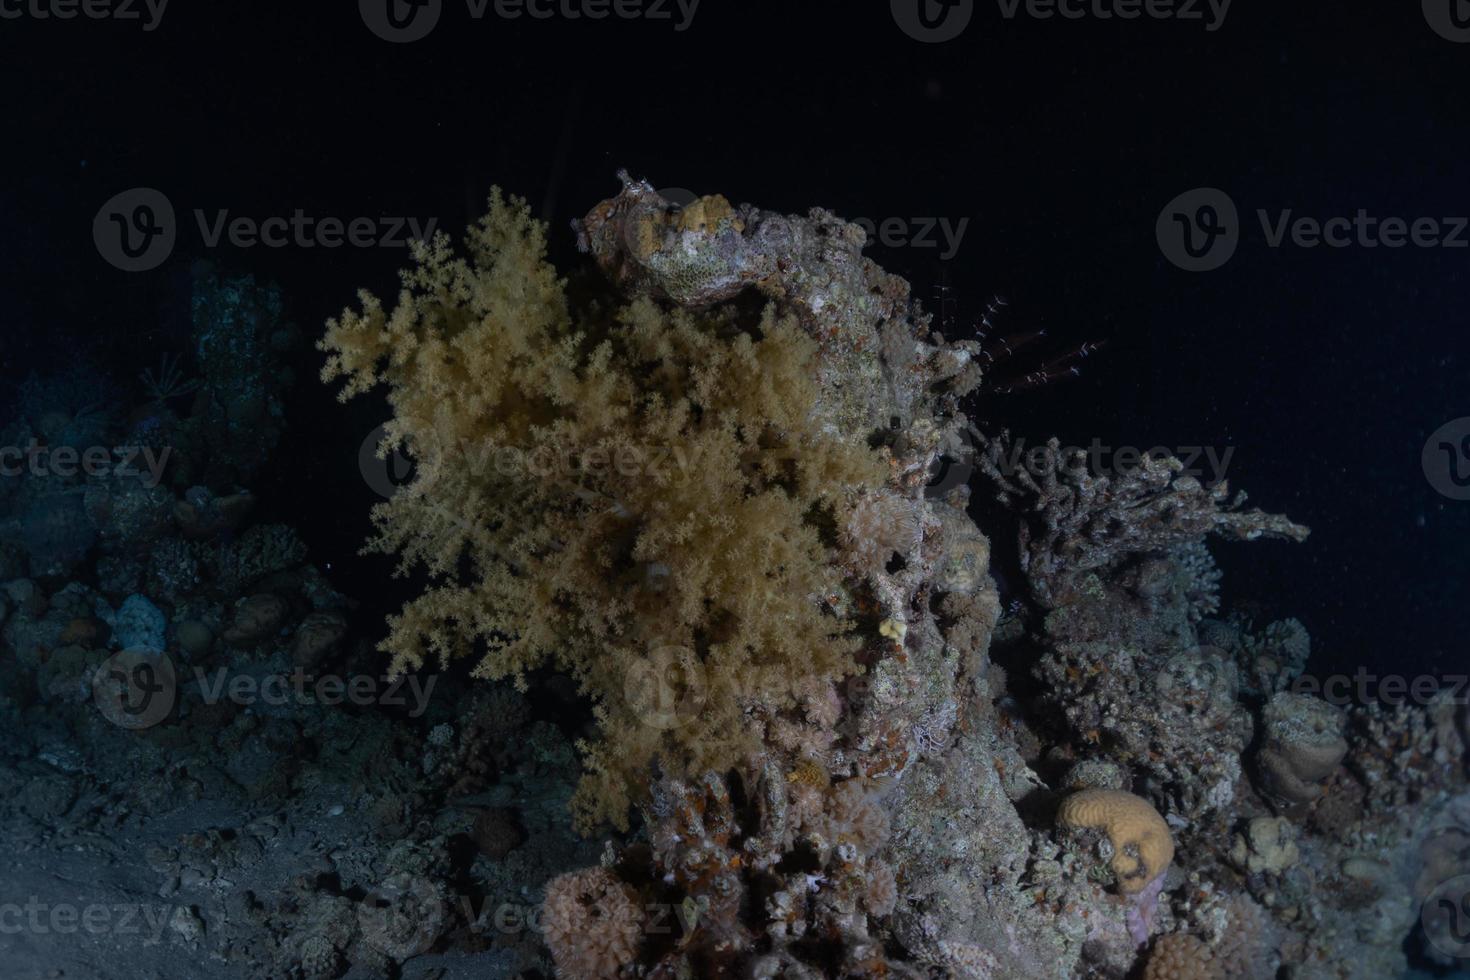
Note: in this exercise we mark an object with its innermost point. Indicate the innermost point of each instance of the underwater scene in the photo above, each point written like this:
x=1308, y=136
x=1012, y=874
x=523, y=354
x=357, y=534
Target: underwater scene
x=679, y=489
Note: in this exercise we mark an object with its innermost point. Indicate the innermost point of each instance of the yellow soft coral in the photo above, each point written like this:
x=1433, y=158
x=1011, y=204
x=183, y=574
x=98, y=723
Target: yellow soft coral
x=1141, y=842
x=609, y=490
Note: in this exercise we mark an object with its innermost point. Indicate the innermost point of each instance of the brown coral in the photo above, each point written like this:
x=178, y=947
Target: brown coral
x=1303, y=745
x=1180, y=956
x=1141, y=843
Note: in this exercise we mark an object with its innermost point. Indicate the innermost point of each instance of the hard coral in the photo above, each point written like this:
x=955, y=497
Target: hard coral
x=1141, y=843
x=1180, y=956
x=1078, y=521
x=1303, y=745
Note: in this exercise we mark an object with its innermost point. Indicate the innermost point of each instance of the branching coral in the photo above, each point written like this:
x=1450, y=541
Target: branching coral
x=616, y=491
x=1078, y=521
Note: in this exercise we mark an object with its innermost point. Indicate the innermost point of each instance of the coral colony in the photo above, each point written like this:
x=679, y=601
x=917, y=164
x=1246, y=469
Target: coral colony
x=703, y=672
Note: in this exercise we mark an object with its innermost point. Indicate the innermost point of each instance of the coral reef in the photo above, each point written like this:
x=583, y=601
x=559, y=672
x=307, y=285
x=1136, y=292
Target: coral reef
x=871, y=799
x=745, y=699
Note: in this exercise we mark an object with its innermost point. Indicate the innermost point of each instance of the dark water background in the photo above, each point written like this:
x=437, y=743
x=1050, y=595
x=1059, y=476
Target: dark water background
x=1324, y=369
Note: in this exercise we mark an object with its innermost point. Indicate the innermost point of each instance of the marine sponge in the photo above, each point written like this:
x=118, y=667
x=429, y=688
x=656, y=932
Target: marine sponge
x=591, y=923
x=1141, y=842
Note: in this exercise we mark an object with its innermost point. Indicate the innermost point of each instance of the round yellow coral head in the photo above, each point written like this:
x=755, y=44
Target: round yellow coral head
x=1142, y=844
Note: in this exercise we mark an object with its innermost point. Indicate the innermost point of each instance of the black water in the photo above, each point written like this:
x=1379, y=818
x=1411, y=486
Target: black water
x=1323, y=370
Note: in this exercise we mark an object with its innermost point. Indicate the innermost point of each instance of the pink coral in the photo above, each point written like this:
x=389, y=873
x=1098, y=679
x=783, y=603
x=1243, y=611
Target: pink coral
x=591, y=923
